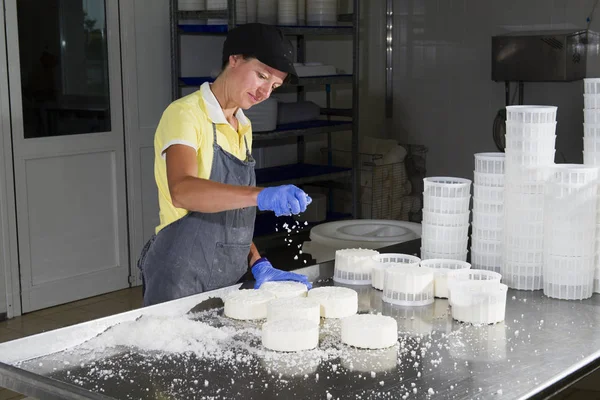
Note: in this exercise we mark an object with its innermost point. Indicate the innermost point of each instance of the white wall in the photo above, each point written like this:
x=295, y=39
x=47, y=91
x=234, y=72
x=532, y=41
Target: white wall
x=443, y=93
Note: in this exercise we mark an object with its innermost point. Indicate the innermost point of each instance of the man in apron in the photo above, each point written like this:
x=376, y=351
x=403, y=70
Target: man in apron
x=205, y=176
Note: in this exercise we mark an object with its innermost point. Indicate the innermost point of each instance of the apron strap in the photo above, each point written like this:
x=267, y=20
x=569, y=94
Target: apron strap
x=248, y=154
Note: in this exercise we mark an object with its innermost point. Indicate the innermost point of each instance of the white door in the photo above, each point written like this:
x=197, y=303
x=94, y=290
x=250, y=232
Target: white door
x=68, y=146
x=146, y=57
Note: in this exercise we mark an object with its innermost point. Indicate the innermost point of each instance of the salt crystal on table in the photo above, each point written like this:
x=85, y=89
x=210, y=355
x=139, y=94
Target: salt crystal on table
x=372, y=374
x=295, y=257
x=418, y=375
x=431, y=391
x=499, y=391
x=206, y=383
x=382, y=383
x=329, y=396
x=415, y=390
x=413, y=384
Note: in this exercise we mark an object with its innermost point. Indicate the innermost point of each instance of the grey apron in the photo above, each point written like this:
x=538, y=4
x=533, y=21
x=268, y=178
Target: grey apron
x=202, y=251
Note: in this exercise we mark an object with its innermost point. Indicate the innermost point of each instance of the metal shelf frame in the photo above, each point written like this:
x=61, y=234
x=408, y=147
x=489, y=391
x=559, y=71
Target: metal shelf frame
x=350, y=26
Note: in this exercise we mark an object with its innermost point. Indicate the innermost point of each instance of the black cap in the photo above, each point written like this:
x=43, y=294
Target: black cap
x=264, y=42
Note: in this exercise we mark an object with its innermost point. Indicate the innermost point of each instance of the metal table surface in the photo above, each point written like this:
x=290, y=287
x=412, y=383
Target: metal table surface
x=543, y=345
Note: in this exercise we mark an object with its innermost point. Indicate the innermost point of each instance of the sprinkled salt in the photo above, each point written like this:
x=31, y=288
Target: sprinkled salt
x=329, y=396
x=381, y=383
x=205, y=383
x=431, y=391
x=373, y=374
x=295, y=257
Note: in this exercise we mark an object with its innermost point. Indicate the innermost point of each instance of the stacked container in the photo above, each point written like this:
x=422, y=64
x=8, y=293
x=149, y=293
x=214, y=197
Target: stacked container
x=445, y=218
x=488, y=212
x=570, y=231
x=530, y=140
x=591, y=148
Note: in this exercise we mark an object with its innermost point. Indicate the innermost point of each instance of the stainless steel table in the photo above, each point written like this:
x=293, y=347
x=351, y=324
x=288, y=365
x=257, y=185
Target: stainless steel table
x=542, y=346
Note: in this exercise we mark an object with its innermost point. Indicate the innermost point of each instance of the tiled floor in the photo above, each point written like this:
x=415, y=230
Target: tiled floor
x=129, y=299
x=65, y=315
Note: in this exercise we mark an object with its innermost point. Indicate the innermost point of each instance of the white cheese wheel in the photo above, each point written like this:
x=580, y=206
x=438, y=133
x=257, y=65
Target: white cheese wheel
x=353, y=266
x=290, y=335
x=369, y=331
x=285, y=288
x=336, y=302
x=294, y=308
x=247, y=304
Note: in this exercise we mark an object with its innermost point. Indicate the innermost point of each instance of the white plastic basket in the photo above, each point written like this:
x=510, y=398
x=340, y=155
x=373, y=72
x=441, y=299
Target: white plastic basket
x=444, y=233
x=523, y=189
x=534, y=145
x=479, y=304
x=529, y=159
x=591, y=101
x=441, y=268
x=491, y=180
x=519, y=227
x=591, y=85
x=591, y=158
x=517, y=175
x=530, y=131
x=488, y=262
x=591, y=116
x=591, y=131
x=488, y=194
x=517, y=256
x=428, y=255
x=520, y=243
x=439, y=219
x=441, y=247
x=489, y=163
x=442, y=205
x=447, y=187
x=522, y=276
x=531, y=114
x=573, y=174
x=569, y=278
x=486, y=246
x=470, y=275
x=488, y=221
x=389, y=260
x=408, y=286
x=480, y=206
x=486, y=234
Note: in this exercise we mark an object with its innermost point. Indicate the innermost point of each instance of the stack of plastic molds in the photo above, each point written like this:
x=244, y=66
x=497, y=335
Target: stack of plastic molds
x=591, y=148
x=570, y=231
x=488, y=212
x=445, y=218
x=530, y=140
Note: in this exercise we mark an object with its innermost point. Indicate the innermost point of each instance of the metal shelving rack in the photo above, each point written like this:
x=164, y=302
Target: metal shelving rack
x=299, y=173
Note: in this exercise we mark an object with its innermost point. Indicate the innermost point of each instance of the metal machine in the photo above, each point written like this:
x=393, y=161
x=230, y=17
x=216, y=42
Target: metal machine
x=545, y=56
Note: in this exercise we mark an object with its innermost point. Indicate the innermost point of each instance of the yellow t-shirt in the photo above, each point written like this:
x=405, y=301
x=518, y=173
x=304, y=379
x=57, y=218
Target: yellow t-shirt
x=188, y=121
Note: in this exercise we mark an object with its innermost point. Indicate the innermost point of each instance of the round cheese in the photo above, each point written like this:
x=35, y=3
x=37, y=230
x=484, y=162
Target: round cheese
x=336, y=302
x=369, y=331
x=290, y=335
x=285, y=288
x=247, y=304
x=294, y=308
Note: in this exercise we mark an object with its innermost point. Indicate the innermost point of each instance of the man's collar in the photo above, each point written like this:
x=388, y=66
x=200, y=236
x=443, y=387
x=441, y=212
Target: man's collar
x=214, y=110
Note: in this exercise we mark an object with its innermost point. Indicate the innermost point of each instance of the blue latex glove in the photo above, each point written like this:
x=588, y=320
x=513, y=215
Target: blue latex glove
x=283, y=200
x=263, y=272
